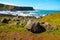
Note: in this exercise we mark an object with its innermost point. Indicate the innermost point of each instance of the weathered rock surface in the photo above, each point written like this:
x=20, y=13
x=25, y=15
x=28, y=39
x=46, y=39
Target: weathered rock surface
x=5, y=20
x=37, y=27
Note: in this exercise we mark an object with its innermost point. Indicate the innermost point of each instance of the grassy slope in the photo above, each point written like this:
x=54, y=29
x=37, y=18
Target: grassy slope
x=19, y=32
x=54, y=19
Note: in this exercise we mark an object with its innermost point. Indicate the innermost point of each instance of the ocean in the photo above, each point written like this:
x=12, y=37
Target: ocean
x=37, y=13
x=40, y=13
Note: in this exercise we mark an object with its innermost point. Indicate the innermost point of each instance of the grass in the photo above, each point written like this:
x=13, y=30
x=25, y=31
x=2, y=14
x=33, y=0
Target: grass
x=11, y=31
x=52, y=19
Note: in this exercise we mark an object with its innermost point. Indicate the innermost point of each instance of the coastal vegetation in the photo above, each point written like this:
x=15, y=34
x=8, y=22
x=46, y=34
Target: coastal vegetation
x=15, y=29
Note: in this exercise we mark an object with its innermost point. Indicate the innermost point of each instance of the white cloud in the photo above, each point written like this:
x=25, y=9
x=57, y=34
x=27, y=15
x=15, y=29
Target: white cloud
x=6, y=3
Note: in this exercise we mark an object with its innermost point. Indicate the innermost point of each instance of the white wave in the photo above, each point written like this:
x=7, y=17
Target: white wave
x=44, y=15
x=22, y=14
x=3, y=12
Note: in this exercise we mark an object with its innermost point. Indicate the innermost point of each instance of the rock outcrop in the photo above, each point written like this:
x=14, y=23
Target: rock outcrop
x=37, y=27
x=5, y=20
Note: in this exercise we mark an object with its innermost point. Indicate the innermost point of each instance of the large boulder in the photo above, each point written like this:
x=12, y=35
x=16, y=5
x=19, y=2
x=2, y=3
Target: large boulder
x=29, y=24
x=46, y=25
x=35, y=27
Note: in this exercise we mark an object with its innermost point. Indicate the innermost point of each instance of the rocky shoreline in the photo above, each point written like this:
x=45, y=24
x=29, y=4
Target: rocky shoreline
x=30, y=23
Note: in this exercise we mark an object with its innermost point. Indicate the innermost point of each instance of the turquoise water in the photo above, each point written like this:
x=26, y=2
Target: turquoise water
x=37, y=13
x=45, y=12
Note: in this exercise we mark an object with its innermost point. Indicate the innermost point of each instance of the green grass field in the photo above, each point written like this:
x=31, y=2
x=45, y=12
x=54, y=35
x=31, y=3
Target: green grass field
x=11, y=31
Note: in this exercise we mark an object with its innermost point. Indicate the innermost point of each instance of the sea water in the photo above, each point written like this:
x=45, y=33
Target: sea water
x=37, y=13
x=40, y=13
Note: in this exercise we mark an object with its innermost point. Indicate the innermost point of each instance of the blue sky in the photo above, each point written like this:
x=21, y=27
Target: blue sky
x=37, y=4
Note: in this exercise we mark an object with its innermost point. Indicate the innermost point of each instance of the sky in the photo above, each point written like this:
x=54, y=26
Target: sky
x=36, y=4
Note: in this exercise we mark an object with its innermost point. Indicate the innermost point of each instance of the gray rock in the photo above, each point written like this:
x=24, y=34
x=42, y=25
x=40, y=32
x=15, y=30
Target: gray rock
x=55, y=28
x=5, y=20
x=35, y=27
x=46, y=25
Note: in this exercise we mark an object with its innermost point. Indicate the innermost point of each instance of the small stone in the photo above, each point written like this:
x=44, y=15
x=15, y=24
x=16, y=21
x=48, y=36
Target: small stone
x=55, y=28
